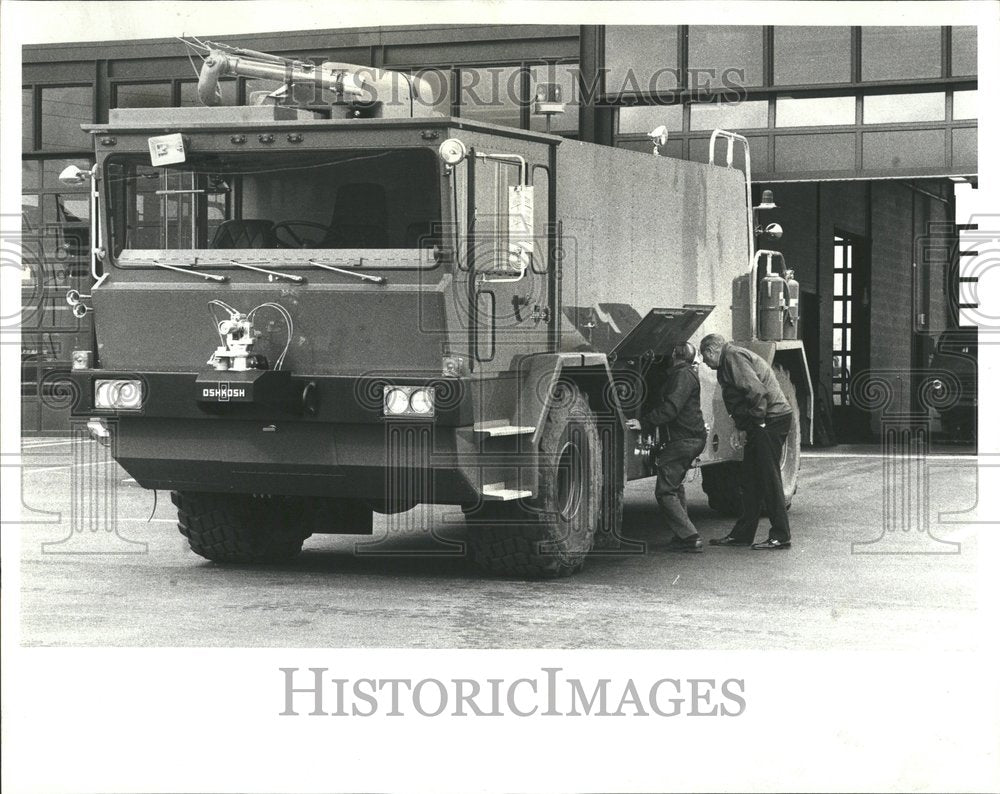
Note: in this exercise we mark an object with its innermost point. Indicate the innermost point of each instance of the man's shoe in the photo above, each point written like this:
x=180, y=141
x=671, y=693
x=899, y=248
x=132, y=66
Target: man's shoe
x=772, y=543
x=692, y=544
x=728, y=540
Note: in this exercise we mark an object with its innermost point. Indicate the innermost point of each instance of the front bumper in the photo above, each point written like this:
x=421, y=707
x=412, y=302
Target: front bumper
x=336, y=443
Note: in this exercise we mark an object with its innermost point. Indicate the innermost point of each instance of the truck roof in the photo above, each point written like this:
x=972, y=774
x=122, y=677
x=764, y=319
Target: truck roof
x=159, y=120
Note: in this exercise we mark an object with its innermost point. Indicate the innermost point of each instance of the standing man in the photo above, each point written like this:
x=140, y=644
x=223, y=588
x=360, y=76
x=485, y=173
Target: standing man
x=754, y=399
x=676, y=410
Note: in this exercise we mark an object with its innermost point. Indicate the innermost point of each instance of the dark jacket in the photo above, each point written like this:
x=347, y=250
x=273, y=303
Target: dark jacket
x=676, y=407
x=750, y=390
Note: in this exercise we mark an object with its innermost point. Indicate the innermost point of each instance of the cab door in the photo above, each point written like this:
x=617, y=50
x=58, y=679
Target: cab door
x=508, y=251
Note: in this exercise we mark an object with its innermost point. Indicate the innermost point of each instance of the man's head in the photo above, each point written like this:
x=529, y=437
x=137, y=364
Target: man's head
x=711, y=349
x=683, y=353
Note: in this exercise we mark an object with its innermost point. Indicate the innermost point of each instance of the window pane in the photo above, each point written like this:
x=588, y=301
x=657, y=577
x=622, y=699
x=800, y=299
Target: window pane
x=812, y=54
x=254, y=84
x=27, y=120
x=647, y=119
x=492, y=94
x=29, y=175
x=898, y=108
x=563, y=75
x=144, y=95
x=838, y=311
x=814, y=152
x=641, y=59
x=31, y=213
x=723, y=115
x=63, y=111
x=189, y=93
x=722, y=53
x=848, y=304
x=68, y=207
x=814, y=111
x=897, y=53
x=838, y=283
x=964, y=144
x=965, y=105
x=904, y=149
x=438, y=97
x=963, y=51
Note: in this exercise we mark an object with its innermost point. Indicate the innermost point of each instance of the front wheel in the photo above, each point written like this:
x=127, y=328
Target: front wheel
x=240, y=528
x=549, y=535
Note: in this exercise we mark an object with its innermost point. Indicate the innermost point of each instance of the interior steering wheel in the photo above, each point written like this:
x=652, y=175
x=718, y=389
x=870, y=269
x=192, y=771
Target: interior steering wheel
x=297, y=240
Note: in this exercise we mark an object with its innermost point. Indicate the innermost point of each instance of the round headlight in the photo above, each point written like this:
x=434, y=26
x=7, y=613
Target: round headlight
x=422, y=401
x=396, y=400
x=452, y=151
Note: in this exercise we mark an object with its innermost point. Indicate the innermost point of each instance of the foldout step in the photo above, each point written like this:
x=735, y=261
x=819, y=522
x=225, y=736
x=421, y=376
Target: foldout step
x=499, y=492
x=499, y=427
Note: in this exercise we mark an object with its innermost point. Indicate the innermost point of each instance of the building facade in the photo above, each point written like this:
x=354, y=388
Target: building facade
x=861, y=132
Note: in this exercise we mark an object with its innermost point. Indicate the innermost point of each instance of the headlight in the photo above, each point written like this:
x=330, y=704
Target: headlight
x=396, y=401
x=81, y=359
x=452, y=151
x=118, y=394
x=422, y=401
x=408, y=401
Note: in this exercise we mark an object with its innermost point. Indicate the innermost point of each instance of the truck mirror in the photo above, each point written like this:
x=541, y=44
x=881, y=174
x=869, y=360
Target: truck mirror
x=73, y=175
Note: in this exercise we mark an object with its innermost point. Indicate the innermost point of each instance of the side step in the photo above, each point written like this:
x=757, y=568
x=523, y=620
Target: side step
x=499, y=427
x=499, y=492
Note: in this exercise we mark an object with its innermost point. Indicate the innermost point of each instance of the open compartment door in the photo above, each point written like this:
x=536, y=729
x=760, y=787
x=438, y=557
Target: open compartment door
x=659, y=331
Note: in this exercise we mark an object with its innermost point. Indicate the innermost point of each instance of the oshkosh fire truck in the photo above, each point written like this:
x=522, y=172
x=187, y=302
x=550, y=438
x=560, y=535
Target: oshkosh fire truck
x=333, y=302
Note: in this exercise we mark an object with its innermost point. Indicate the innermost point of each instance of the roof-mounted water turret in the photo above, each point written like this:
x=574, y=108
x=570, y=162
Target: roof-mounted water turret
x=363, y=91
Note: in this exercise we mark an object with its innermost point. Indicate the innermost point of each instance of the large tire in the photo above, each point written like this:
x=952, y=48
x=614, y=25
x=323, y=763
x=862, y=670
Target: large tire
x=550, y=535
x=721, y=481
x=791, y=453
x=240, y=528
x=721, y=484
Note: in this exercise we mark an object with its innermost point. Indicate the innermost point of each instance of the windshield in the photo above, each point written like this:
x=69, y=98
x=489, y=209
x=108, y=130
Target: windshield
x=316, y=201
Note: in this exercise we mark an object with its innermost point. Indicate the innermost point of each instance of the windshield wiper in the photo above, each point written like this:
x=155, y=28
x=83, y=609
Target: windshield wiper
x=345, y=272
x=179, y=269
x=272, y=274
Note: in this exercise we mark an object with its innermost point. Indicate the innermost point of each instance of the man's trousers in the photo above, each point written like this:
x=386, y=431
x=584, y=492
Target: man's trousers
x=672, y=463
x=760, y=481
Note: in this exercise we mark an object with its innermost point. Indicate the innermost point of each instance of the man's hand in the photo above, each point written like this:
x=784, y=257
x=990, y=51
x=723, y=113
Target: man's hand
x=633, y=424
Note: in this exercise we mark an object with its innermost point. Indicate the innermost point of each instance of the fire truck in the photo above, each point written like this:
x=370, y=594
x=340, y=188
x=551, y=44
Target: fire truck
x=333, y=302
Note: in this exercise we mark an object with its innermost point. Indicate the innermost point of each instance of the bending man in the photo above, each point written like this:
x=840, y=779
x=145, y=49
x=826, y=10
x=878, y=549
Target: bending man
x=754, y=399
x=676, y=410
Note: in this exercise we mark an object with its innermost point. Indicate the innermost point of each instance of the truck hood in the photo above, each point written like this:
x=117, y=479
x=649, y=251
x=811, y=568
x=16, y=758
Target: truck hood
x=144, y=326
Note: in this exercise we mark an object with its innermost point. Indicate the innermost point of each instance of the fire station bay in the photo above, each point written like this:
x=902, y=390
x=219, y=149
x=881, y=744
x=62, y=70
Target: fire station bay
x=862, y=135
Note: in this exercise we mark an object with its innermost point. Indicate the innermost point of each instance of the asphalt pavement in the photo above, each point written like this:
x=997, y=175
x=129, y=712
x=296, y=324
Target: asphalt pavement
x=865, y=571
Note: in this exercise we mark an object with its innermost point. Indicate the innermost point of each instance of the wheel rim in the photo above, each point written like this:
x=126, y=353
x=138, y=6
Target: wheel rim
x=569, y=480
